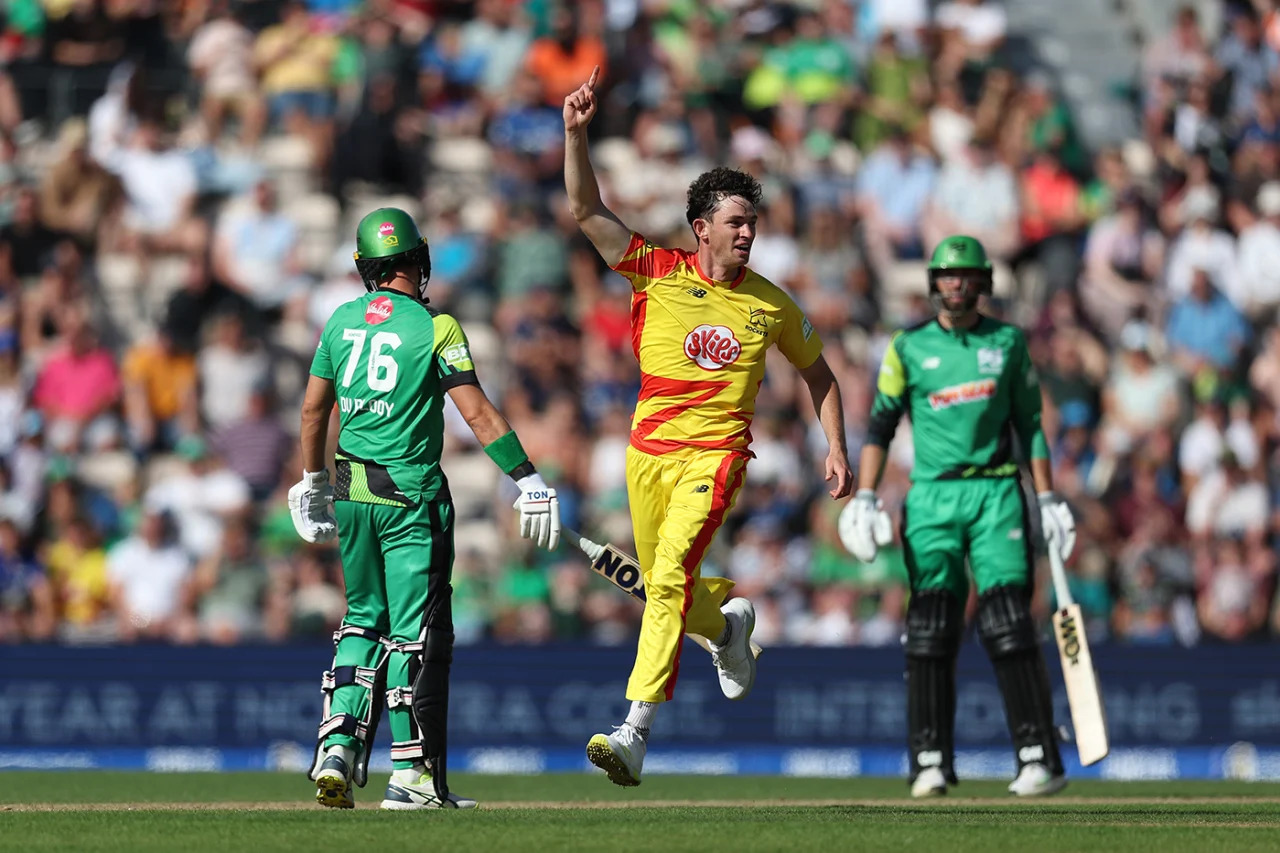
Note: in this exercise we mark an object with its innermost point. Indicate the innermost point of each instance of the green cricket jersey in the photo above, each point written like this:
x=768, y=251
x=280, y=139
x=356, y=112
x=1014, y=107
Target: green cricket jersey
x=391, y=358
x=967, y=391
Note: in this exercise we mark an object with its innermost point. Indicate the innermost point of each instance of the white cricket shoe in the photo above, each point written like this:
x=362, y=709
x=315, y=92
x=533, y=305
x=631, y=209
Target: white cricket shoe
x=734, y=662
x=412, y=789
x=930, y=783
x=1035, y=780
x=621, y=755
x=333, y=784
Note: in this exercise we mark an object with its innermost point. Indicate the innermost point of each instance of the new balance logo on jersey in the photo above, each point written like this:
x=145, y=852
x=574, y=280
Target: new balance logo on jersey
x=956, y=395
x=696, y=291
x=701, y=490
x=930, y=363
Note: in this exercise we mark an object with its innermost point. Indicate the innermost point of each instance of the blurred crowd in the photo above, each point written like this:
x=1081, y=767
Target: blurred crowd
x=179, y=183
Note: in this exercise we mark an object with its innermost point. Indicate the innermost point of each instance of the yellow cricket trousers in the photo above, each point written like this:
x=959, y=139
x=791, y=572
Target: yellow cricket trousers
x=677, y=505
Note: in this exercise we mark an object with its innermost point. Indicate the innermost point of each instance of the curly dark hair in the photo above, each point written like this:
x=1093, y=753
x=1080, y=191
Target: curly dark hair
x=713, y=187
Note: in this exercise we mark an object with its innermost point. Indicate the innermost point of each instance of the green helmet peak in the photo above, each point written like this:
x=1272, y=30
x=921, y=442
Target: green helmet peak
x=960, y=256
x=386, y=239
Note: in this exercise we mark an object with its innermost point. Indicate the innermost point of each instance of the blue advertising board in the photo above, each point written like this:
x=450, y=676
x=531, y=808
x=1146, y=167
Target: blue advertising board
x=1201, y=713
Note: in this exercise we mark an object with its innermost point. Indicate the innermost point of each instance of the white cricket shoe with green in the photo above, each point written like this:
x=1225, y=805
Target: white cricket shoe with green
x=621, y=755
x=412, y=789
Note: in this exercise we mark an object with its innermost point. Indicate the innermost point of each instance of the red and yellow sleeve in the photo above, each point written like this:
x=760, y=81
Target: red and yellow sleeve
x=799, y=342
x=644, y=263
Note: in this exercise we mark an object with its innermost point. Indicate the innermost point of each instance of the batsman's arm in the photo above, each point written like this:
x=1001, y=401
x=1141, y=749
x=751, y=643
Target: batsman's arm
x=1026, y=418
x=601, y=226
x=317, y=403
x=886, y=411
x=492, y=430
x=825, y=391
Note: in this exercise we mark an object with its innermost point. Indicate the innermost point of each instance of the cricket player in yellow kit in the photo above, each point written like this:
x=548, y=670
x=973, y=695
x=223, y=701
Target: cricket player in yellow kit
x=701, y=323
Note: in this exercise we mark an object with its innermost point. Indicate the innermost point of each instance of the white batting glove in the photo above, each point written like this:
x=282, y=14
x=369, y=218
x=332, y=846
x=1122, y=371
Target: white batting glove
x=1058, y=524
x=864, y=526
x=311, y=505
x=539, y=510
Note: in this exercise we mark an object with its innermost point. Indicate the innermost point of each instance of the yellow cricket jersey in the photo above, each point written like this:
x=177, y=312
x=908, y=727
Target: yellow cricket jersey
x=701, y=346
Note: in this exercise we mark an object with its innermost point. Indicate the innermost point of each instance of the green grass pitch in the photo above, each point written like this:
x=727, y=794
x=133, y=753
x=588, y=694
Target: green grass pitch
x=260, y=812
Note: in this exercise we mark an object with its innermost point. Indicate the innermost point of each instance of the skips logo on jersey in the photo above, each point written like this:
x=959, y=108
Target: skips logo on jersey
x=712, y=347
x=990, y=360
x=968, y=392
x=379, y=310
x=388, y=232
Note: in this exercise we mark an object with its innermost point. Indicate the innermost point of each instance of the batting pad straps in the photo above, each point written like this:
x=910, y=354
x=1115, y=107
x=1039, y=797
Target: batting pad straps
x=507, y=453
x=1004, y=621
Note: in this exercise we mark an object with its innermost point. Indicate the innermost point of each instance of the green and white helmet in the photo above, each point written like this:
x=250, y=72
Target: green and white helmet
x=387, y=239
x=962, y=256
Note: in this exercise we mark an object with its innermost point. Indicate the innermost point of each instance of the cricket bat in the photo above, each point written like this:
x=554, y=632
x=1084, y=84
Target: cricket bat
x=623, y=571
x=1088, y=717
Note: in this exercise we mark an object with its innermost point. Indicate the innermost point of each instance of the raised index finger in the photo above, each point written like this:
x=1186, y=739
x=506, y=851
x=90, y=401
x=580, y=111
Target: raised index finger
x=595, y=75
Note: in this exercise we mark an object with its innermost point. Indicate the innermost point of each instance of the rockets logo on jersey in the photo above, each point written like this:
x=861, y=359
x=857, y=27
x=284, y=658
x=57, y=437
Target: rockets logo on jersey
x=968, y=392
x=379, y=310
x=712, y=347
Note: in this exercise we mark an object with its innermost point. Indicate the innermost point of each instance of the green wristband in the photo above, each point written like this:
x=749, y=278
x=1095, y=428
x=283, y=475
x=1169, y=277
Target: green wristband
x=506, y=452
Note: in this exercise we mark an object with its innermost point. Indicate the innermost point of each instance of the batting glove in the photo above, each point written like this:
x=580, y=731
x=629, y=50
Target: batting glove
x=311, y=505
x=539, y=512
x=1058, y=524
x=864, y=526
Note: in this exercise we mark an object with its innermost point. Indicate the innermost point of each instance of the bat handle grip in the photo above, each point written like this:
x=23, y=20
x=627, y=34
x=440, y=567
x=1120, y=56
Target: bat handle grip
x=1060, y=587
x=585, y=545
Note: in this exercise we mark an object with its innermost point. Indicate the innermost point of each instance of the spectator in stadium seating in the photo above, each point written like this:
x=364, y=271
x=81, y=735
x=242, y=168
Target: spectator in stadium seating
x=1174, y=60
x=898, y=90
x=27, y=610
x=201, y=499
x=951, y=124
x=1050, y=217
x=160, y=190
x=562, y=59
x=230, y=366
x=31, y=244
x=255, y=252
x=1142, y=613
x=972, y=32
x=1264, y=372
x=78, y=390
x=160, y=392
x=1244, y=58
x=1205, y=332
x=378, y=145
x=149, y=575
x=1202, y=246
x=257, y=446
x=894, y=186
x=77, y=566
x=86, y=40
x=499, y=36
x=221, y=56
x=77, y=194
x=1232, y=605
x=1229, y=501
x=1141, y=395
x=294, y=59
x=831, y=281
x=1259, y=251
x=230, y=587
x=201, y=300
x=977, y=196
